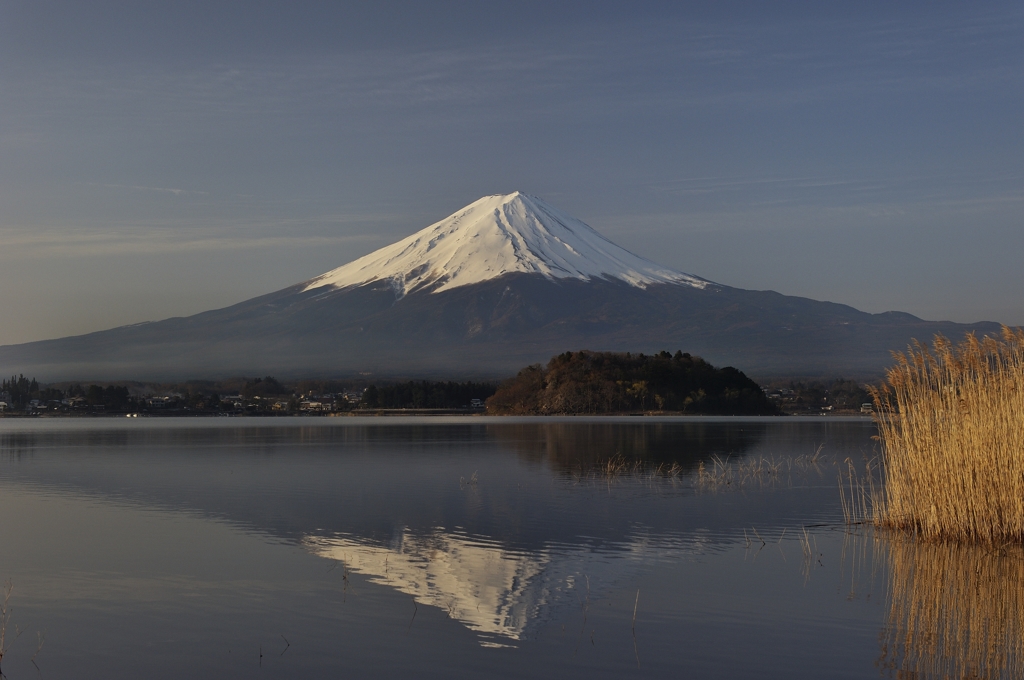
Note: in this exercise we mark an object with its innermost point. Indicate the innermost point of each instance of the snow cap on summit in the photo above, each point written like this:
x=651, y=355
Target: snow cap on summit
x=499, y=235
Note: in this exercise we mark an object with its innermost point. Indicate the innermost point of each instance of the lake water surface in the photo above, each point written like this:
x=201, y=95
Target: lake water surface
x=472, y=547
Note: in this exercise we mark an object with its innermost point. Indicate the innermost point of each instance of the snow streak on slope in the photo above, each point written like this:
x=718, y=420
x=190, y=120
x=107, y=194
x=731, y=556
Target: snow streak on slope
x=498, y=235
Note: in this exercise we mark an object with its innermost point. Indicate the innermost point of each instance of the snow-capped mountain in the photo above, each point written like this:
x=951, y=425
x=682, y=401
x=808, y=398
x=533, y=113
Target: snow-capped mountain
x=506, y=282
x=498, y=235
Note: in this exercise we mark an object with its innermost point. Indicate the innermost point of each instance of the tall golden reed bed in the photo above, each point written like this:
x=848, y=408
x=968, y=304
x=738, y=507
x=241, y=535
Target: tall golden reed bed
x=951, y=421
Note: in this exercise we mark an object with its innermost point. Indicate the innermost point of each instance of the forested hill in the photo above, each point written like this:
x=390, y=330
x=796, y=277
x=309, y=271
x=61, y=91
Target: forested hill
x=610, y=382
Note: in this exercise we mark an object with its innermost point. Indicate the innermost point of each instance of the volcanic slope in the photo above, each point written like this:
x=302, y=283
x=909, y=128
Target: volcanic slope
x=494, y=236
x=507, y=281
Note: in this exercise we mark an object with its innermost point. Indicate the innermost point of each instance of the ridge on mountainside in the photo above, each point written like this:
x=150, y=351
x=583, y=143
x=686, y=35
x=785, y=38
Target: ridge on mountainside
x=499, y=235
x=506, y=282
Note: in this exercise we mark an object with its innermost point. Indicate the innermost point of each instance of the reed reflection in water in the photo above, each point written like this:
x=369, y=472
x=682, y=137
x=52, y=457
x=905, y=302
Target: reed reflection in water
x=954, y=611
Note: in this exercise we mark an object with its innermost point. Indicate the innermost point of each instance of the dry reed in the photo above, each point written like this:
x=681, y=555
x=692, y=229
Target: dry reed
x=5, y=618
x=859, y=491
x=618, y=467
x=754, y=472
x=951, y=421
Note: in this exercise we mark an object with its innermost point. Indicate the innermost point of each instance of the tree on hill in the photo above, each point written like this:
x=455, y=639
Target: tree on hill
x=263, y=387
x=426, y=394
x=610, y=382
x=20, y=390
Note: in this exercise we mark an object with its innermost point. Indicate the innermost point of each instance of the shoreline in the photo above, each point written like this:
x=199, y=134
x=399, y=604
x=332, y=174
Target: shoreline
x=418, y=413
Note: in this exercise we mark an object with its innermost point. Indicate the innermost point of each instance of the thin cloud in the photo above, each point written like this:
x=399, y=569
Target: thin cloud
x=22, y=244
x=176, y=192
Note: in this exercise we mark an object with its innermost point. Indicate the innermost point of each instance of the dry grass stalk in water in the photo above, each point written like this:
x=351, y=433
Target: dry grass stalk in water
x=5, y=617
x=951, y=421
x=754, y=472
x=859, y=491
x=619, y=467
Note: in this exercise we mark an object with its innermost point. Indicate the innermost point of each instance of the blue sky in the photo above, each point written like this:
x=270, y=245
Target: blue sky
x=160, y=159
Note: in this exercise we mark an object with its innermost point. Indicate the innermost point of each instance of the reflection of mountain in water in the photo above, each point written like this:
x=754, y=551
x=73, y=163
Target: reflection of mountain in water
x=496, y=592
x=490, y=590
x=385, y=496
x=373, y=477
x=955, y=611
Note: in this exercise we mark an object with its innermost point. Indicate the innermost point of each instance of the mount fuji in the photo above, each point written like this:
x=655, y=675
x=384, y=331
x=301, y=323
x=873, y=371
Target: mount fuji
x=507, y=281
x=494, y=236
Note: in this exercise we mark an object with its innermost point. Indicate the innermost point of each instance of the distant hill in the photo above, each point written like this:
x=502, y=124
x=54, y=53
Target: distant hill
x=576, y=383
x=506, y=282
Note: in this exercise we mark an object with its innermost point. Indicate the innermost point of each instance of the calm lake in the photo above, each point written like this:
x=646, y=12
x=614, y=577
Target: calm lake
x=473, y=547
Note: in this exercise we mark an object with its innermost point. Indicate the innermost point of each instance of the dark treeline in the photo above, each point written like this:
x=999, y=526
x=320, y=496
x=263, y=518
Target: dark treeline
x=426, y=394
x=609, y=382
x=263, y=387
x=235, y=396
x=20, y=392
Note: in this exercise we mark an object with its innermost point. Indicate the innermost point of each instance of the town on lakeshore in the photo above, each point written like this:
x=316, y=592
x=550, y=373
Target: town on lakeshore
x=581, y=383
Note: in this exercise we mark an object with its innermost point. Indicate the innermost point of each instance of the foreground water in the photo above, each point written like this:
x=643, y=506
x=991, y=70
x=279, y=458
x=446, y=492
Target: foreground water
x=472, y=547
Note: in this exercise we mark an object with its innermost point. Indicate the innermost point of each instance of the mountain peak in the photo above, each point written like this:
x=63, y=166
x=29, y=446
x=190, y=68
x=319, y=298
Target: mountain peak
x=497, y=235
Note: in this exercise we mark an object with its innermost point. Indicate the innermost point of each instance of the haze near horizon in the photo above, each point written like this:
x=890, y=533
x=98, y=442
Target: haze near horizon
x=162, y=160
